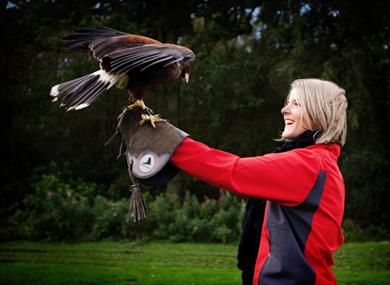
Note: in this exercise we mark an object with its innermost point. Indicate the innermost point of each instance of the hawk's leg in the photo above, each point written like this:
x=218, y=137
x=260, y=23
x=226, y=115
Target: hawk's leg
x=138, y=104
x=149, y=114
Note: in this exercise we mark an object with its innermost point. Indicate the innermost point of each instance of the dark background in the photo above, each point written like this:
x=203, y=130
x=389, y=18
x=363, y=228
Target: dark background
x=248, y=53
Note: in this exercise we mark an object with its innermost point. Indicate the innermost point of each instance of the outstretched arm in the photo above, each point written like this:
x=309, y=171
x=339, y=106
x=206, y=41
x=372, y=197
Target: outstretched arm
x=283, y=177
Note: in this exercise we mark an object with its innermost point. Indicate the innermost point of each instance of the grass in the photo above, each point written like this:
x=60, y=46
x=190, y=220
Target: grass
x=363, y=263
x=162, y=263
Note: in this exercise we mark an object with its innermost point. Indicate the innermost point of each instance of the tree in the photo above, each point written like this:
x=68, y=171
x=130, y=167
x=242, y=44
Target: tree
x=248, y=52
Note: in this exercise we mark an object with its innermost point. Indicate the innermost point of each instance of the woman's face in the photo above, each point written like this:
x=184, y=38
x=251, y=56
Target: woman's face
x=292, y=115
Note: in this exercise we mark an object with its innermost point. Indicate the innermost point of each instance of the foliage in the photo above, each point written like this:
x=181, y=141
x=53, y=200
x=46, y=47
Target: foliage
x=68, y=210
x=57, y=211
x=247, y=55
x=211, y=220
x=355, y=233
x=61, y=210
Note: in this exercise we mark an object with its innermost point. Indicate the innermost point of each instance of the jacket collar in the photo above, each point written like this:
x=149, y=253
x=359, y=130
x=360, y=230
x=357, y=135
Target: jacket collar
x=334, y=149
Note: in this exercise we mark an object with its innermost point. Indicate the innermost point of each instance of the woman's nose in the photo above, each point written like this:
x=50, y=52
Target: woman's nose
x=285, y=110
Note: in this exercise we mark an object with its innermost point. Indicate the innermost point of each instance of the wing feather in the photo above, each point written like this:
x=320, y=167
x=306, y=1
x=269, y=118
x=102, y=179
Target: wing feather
x=172, y=62
x=123, y=65
x=82, y=38
x=157, y=62
x=103, y=40
x=131, y=58
x=147, y=56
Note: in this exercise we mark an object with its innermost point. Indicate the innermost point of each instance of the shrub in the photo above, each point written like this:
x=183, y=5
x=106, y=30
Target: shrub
x=162, y=212
x=56, y=212
x=69, y=210
x=354, y=233
x=111, y=221
x=212, y=220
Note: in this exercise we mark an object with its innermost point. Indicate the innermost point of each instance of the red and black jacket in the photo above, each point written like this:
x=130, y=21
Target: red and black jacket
x=304, y=190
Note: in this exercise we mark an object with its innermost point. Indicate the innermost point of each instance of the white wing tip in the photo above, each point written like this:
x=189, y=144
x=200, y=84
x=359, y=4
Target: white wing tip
x=78, y=107
x=82, y=106
x=54, y=92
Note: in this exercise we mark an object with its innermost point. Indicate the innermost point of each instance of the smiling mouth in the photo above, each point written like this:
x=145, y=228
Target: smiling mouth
x=288, y=122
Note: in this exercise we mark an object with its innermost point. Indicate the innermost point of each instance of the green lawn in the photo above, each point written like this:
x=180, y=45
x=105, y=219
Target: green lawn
x=162, y=263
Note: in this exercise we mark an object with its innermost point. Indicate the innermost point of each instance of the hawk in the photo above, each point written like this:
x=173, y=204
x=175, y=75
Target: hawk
x=132, y=62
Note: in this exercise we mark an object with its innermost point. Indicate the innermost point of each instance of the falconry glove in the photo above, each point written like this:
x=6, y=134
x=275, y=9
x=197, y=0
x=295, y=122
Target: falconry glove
x=148, y=151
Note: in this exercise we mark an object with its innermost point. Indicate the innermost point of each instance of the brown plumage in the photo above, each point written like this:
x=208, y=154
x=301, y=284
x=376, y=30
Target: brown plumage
x=134, y=62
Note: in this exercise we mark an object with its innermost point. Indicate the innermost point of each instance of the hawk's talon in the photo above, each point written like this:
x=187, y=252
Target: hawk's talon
x=147, y=113
x=153, y=119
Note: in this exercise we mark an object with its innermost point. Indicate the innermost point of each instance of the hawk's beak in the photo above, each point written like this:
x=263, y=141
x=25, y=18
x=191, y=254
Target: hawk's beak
x=186, y=77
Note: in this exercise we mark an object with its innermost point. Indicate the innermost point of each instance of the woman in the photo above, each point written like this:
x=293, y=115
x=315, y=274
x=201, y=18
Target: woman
x=300, y=180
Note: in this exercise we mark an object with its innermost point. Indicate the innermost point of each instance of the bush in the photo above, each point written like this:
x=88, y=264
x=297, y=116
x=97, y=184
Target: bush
x=209, y=221
x=67, y=210
x=111, y=221
x=162, y=212
x=56, y=212
x=109, y=218
x=354, y=233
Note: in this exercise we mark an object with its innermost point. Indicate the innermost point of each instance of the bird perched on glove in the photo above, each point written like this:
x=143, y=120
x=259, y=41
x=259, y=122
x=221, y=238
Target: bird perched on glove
x=132, y=62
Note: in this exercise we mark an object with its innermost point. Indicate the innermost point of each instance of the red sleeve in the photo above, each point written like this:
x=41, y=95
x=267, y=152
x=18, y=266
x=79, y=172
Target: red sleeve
x=285, y=177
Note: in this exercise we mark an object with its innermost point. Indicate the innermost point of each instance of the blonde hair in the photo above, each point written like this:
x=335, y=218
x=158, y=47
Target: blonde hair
x=324, y=106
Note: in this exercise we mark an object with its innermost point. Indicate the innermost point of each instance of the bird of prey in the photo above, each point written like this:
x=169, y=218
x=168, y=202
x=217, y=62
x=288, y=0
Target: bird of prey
x=132, y=62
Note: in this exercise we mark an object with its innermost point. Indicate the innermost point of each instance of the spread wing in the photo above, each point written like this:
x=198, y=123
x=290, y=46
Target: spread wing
x=82, y=38
x=102, y=41
x=146, y=56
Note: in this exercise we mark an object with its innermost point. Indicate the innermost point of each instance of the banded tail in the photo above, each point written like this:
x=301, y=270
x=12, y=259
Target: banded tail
x=81, y=92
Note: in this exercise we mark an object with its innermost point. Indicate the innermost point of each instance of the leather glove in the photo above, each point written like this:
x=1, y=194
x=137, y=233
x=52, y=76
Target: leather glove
x=149, y=149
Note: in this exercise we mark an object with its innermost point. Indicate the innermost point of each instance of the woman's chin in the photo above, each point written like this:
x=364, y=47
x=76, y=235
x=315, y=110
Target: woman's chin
x=286, y=135
x=290, y=134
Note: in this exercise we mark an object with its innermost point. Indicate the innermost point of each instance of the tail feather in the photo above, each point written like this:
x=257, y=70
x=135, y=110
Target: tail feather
x=81, y=92
x=89, y=95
